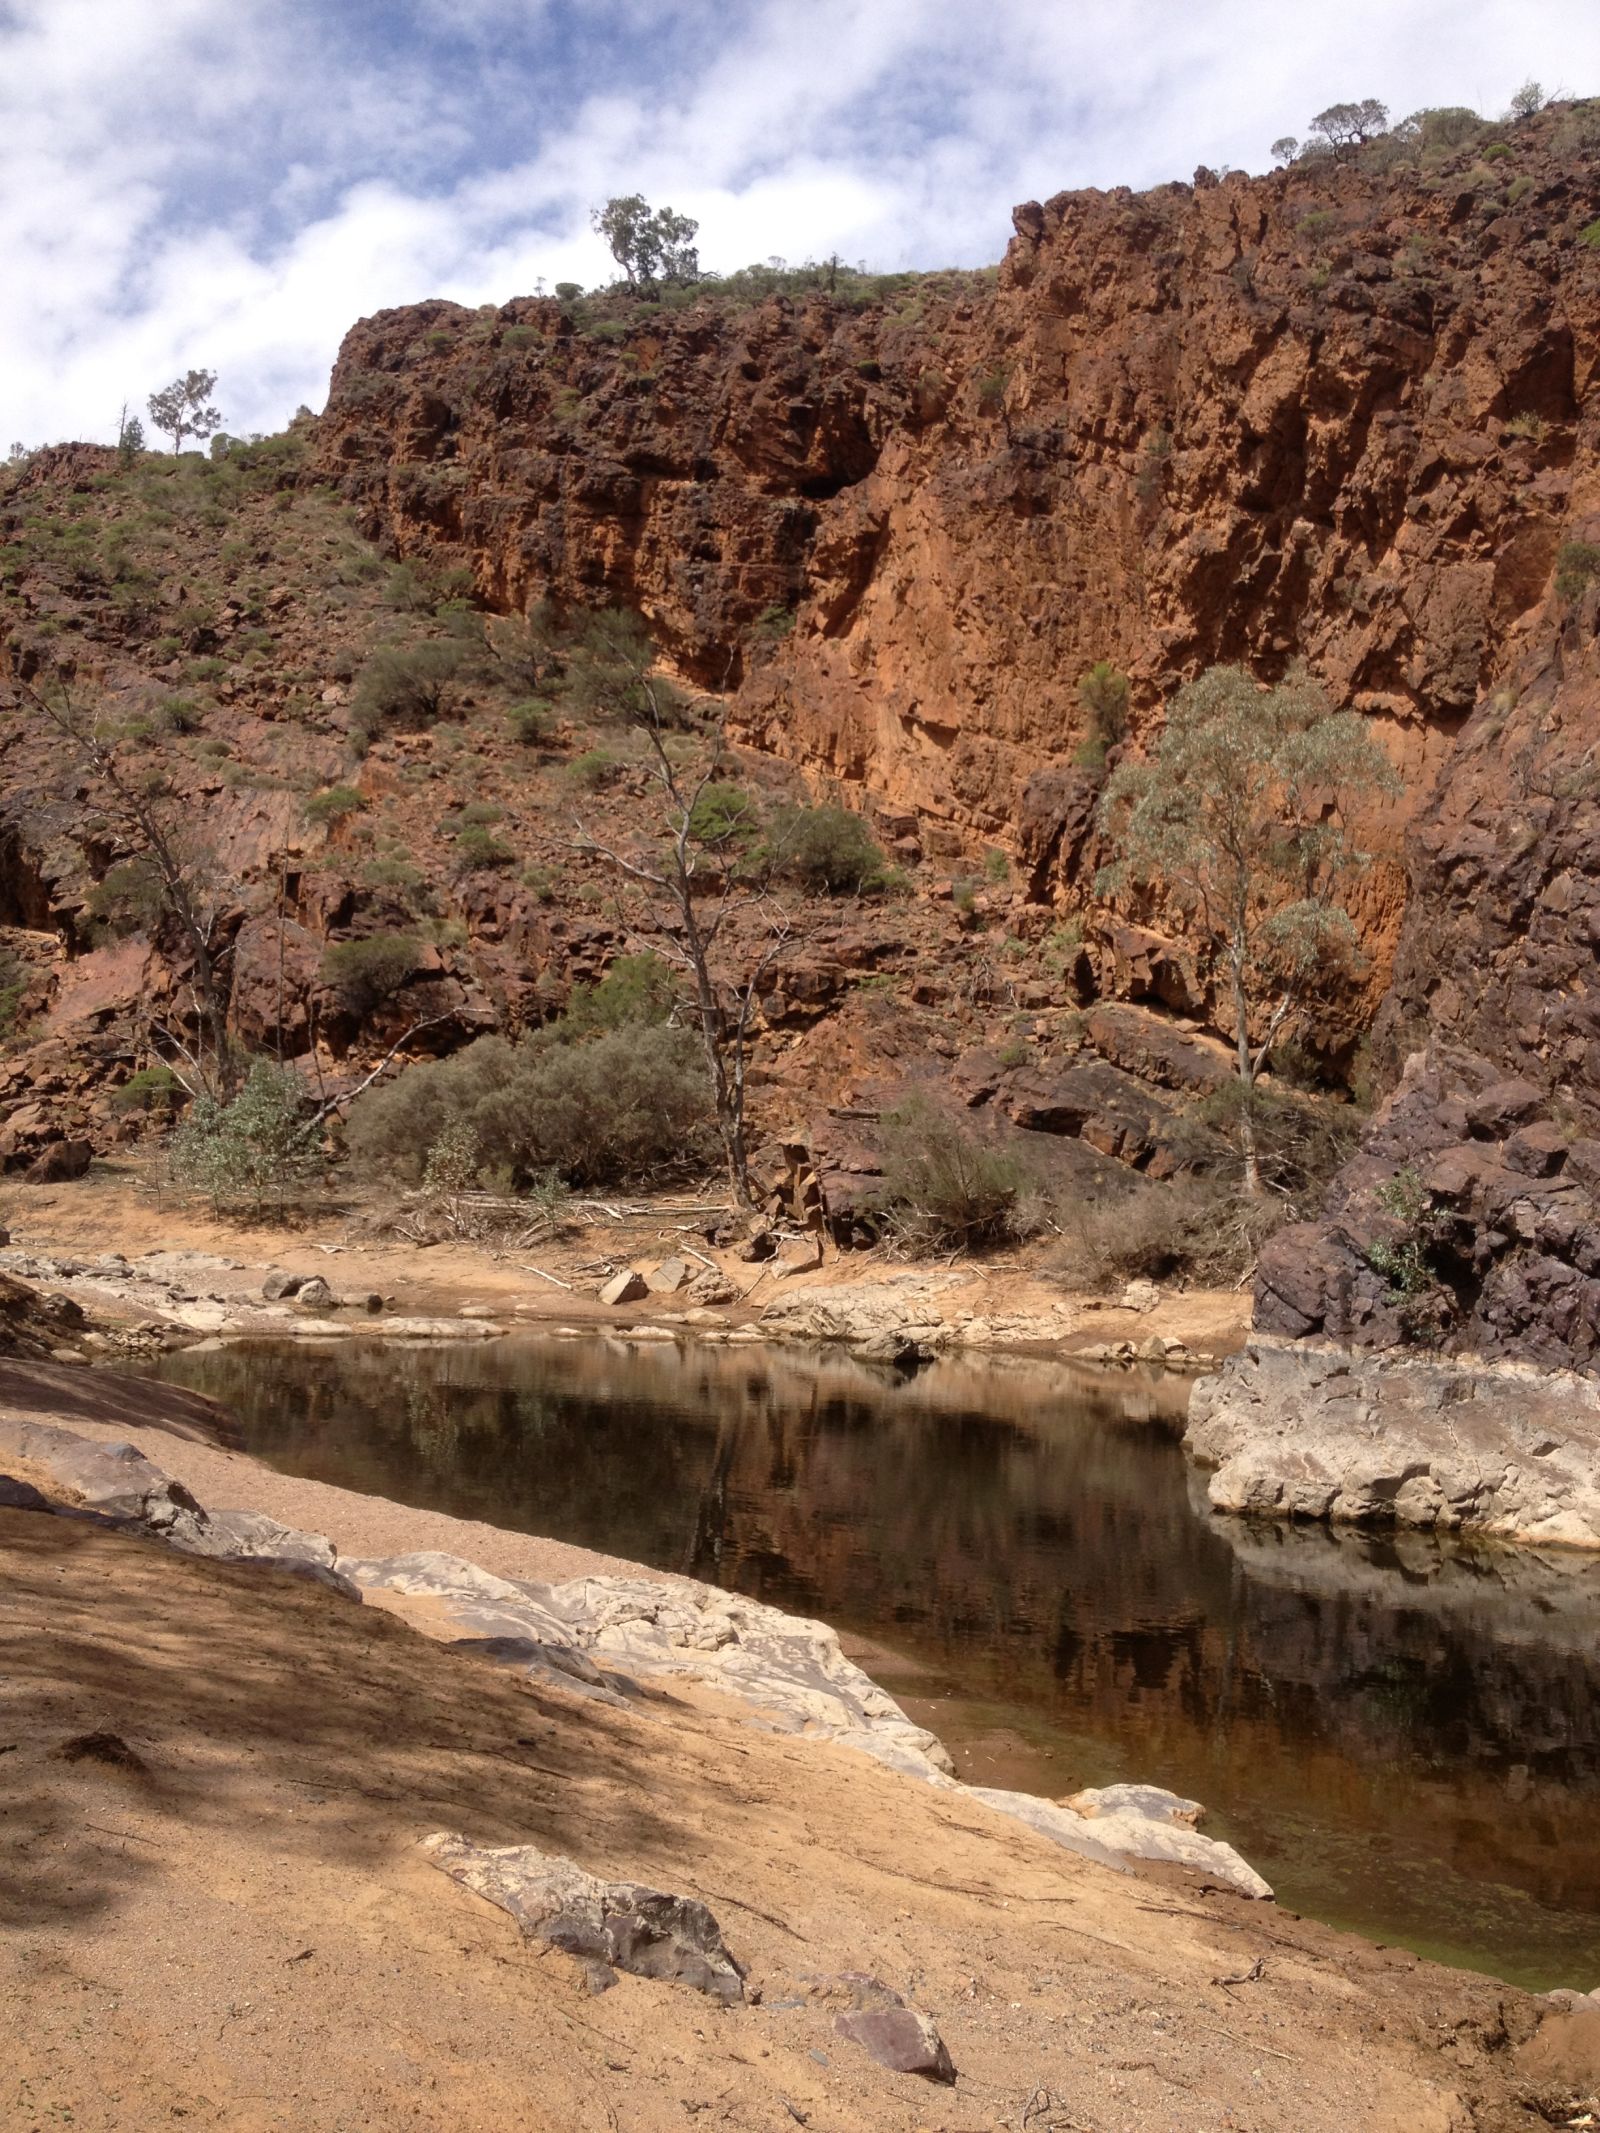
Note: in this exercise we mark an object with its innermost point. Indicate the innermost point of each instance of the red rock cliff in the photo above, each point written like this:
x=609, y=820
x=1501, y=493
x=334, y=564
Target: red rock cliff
x=1337, y=413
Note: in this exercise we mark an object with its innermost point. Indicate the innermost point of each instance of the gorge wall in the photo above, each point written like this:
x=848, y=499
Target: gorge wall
x=1341, y=412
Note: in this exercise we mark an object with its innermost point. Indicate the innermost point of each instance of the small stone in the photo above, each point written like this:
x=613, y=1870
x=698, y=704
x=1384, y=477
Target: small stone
x=627, y=1287
x=901, y=2039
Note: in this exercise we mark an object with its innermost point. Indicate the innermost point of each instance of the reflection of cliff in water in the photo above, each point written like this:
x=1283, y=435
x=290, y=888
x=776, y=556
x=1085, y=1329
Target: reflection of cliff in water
x=1026, y=1535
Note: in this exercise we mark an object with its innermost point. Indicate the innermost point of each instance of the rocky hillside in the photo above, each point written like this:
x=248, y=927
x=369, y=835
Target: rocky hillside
x=1342, y=413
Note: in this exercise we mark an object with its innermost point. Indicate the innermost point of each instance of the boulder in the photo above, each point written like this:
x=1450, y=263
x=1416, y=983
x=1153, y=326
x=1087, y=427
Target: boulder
x=900, y=2038
x=60, y=1161
x=315, y=1294
x=1302, y=1429
x=608, y=1925
x=710, y=1287
x=627, y=1287
x=279, y=1283
x=669, y=1277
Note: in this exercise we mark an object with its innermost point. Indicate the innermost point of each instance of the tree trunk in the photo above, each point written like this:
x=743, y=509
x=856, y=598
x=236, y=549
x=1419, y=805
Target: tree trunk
x=1247, y=1083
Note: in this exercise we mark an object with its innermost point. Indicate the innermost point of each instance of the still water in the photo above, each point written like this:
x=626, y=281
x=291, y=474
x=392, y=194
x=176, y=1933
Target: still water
x=1402, y=1736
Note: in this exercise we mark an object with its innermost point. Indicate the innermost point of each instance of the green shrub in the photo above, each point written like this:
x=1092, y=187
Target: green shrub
x=943, y=1187
x=478, y=814
x=827, y=850
x=128, y=898
x=409, y=590
x=595, y=769
x=256, y=1150
x=624, y=1106
x=1577, y=563
x=992, y=391
x=406, y=685
x=635, y=989
x=364, y=973
x=1103, y=693
x=996, y=868
x=179, y=714
x=529, y=720
x=1590, y=234
x=153, y=1088
x=723, y=816
x=15, y=978
x=477, y=846
x=334, y=803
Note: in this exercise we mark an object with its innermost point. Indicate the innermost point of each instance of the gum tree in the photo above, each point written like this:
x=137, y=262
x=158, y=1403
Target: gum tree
x=1239, y=820
x=650, y=244
x=182, y=409
x=690, y=880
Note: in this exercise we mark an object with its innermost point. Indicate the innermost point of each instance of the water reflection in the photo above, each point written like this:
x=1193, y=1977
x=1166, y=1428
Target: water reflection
x=1402, y=1736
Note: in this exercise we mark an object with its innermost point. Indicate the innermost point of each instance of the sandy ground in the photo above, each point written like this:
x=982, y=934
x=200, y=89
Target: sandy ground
x=114, y=1209
x=241, y=1932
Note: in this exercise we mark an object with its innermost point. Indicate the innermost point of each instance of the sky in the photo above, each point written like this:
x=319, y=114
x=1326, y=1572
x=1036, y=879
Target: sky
x=230, y=184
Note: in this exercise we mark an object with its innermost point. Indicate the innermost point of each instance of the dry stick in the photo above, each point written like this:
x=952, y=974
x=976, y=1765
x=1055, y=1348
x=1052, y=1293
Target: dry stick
x=543, y=1276
x=333, y=1103
x=740, y=1905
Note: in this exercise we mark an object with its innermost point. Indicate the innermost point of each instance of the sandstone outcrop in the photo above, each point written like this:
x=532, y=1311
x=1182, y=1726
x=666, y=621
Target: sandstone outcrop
x=589, y=1636
x=1303, y=1429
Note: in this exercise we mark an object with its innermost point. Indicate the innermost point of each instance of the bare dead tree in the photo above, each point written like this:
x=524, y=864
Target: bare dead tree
x=683, y=892
x=135, y=804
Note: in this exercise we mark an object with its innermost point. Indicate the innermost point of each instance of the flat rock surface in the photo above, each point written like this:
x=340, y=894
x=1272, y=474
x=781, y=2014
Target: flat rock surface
x=1302, y=1429
x=244, y=1914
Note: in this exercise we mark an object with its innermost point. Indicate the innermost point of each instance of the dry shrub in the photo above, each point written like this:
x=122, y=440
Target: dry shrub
x=944, y=1187
x=1186, y=1229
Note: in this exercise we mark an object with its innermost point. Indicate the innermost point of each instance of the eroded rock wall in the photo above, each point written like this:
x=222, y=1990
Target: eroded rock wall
x=1337, y=413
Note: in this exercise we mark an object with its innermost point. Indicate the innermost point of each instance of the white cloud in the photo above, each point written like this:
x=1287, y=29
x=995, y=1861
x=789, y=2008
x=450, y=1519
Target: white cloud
x=234, y=182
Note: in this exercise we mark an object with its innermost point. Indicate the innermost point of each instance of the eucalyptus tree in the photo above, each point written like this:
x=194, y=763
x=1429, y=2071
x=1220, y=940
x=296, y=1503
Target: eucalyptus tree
x=1239, y=819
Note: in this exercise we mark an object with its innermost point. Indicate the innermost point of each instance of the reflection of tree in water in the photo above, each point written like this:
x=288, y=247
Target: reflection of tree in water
x=1019, y=1534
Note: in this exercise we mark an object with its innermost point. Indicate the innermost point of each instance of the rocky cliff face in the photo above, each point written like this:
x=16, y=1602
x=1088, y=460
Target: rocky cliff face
x=1339, y=413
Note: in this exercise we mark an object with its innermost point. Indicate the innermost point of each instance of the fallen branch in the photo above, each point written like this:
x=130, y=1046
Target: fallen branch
x=333, y=1103
x=543, y=1276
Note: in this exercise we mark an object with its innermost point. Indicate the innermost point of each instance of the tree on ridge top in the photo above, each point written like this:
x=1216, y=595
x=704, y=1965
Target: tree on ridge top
x=182, y=408
x=649, y=244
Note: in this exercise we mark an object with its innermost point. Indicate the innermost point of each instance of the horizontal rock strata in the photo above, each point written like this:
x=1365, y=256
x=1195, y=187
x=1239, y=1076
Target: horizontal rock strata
x=1306, y=1429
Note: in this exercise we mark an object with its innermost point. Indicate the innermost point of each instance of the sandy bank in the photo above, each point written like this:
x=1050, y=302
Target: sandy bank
x=242, y=1923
